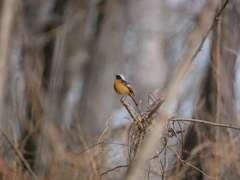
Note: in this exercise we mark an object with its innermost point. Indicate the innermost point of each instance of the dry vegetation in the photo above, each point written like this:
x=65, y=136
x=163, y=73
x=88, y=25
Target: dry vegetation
x=59, y=116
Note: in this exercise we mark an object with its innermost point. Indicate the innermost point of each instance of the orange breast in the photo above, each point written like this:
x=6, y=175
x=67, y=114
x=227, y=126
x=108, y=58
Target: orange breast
x=120, y=88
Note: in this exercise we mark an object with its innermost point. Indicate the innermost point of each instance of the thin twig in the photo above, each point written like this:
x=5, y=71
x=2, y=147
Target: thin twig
x=112, y=170
x=19, y=154
x=164, y=166
x=209, y=31
x=103, y=133
x=206, y=122
x=185, y=162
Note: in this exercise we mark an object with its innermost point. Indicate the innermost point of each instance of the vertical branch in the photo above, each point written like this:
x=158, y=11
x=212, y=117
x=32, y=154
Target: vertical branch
x=217, y=70
x=139, y=137
x=137, y=146
x=216, y=67
x=165, y=157
x=139, y=142
x=7, y=18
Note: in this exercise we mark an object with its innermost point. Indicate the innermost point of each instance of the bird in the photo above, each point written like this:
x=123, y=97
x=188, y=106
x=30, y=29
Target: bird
x=122, y=87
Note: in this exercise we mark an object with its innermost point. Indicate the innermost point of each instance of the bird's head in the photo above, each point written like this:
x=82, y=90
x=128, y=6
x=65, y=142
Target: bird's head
x=119, y=77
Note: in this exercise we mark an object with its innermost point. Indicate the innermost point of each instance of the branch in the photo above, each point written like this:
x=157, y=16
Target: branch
x=185, y=162
x=112, y=170
x=209, y=31
x=19, y=154
x=130, y=110
x=206, y=122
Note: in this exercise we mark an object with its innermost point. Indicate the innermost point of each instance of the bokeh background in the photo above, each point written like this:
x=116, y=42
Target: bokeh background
x=58, y=61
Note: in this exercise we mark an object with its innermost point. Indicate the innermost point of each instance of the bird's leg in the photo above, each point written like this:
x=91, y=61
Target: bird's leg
x=123, y=98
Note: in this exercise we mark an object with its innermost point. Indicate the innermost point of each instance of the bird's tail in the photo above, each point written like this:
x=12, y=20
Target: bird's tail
x=134, y=99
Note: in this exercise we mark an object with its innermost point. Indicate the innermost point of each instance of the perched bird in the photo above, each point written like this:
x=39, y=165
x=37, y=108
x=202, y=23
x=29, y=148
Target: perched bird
x=121, y=86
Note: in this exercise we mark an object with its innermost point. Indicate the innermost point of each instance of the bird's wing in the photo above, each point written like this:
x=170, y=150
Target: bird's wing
x=128, y=86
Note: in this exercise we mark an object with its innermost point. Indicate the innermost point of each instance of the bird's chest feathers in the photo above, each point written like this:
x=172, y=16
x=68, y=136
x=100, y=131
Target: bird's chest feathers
x=120, y=88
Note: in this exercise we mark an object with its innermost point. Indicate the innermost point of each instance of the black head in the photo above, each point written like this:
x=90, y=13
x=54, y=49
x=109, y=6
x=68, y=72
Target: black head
x=119, y=77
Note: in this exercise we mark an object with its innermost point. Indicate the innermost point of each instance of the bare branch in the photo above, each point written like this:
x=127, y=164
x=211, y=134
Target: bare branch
x=19, y=154
x=206, y=122
x=112, y=170
x=6, y=24
x=209, y=31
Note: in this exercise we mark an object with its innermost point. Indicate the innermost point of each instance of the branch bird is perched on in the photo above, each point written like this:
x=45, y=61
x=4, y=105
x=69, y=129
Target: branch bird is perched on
x=121, y=86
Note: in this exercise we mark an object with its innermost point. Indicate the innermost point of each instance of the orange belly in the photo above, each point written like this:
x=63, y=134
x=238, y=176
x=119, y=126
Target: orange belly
x=120, y=88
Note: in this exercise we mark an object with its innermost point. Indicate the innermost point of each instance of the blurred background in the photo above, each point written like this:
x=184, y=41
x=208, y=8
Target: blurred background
x=58, y=107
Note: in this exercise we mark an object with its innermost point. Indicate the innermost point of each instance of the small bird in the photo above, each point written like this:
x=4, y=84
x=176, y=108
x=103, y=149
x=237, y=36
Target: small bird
x=121, y=86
